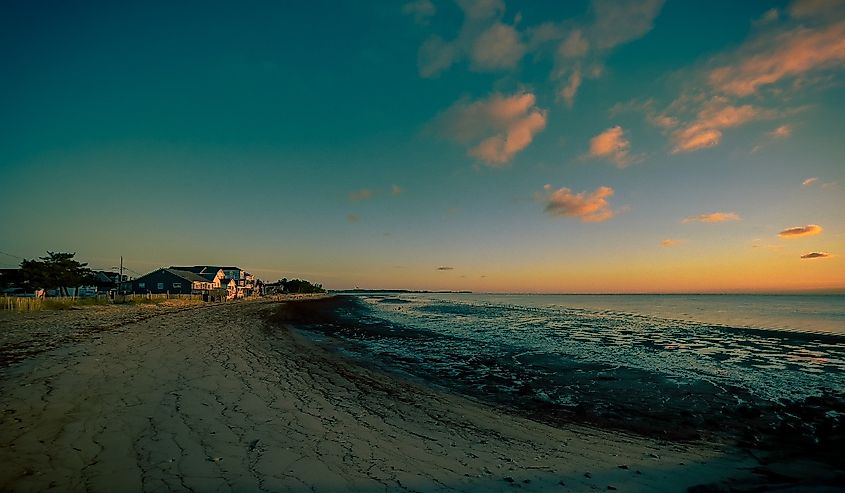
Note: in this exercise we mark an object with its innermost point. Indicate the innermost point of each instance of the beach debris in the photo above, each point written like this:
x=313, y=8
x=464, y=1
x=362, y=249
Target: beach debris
x=653, y=455
x=215, y=459
x=623, y=466
x=609, y=487
x=508, y=479
x=561, y=483
x=588, y=475
x=526, y=481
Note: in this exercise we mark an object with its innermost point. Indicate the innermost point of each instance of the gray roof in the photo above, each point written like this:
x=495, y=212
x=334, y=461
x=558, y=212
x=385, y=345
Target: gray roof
x=188, y=276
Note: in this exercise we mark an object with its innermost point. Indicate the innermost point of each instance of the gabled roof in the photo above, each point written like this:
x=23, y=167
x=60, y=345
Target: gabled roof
x=210, y=276
x=196, y=269
x=186, y=275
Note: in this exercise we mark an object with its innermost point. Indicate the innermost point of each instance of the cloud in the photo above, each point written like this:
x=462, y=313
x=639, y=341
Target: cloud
x=498, y=47
x=621, y=21
x=353, y=218
x=422, y=10
x=713, y=217
x=589, y=207
x=396, y=190
x=496, y=128
x=800, y=231
x=488, y=43
x=435, y=56
x=781, y=132
x=815, y=255
x=567, y=92
x=784, y=55
x=575, y=46
x=443, y=267
x=612, y=145
x=706, y=129
x=668, y=243
x=814, y=8
x=809, y=181
x=358, y=195
x=770, y=16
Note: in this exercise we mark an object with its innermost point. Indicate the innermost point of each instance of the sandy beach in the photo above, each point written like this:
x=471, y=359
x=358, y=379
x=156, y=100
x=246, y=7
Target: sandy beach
x=217, y=398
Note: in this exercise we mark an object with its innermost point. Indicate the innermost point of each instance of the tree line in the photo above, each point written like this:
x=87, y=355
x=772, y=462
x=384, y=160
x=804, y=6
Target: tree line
x=300, y=286
x=57, y=270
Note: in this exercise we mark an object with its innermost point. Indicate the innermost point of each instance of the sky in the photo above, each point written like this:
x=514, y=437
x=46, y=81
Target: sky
x=488, y=145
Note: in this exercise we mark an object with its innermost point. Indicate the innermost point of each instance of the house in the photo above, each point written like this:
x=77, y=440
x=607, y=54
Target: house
x=244, y=281
x=105, y=281
x=171, y=281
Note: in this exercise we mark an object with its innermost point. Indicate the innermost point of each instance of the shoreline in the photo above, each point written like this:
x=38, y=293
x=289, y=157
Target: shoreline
x=221, y=399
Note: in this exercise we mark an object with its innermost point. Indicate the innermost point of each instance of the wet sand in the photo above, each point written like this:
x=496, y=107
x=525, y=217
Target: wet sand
x=218, y=398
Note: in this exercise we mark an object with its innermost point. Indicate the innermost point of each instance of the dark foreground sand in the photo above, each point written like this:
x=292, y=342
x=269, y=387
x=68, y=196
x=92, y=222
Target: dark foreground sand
x=217, y=399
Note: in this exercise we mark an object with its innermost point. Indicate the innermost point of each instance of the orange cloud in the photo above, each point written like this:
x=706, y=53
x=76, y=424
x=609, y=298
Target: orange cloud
x=713, y=217
x=498, y=47
x=769, y=60
x=612, y=145
x=809, y=181
x=359, y=195
x=799, y=231
x=396, y=190
x=781, y=132
x=706, y=130
x=668, y=243
x=815, y=255
x=499, y=126
x=589, y=207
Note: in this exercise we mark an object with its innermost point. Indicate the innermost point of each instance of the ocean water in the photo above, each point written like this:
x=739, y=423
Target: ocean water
x=761, y=347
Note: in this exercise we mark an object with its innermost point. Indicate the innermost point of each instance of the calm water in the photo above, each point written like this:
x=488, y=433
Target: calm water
x=747, y=347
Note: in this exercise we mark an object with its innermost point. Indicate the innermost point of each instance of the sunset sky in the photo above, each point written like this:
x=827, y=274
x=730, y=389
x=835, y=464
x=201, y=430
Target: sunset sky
x=489, y=145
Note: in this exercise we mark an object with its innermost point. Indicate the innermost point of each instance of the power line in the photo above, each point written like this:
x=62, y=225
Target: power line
x=10, y=255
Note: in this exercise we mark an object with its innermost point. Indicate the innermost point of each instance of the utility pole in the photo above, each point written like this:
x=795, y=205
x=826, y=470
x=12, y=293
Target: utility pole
x=120, y=277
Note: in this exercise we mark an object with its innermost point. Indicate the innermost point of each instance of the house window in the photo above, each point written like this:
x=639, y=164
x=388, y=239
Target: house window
x=160, y=285
x=177, y=285
x=140, y=285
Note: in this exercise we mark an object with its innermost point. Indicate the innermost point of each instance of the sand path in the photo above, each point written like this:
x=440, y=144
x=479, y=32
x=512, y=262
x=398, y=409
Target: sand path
x=213, y=399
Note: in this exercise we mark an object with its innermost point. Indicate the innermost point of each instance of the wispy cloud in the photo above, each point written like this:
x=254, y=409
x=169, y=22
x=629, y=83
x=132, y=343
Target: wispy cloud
x=590, y=207
x=353, y=218
x=444, y=267
x=668, y=243
x=359, y=195
x=496, y=128
x=706, y=129
x=780, y=56
x=421, y=10
x=809, y=181
x=484, y=39
x=782, y=132
x=497, y=47
x=787, y=54
x=396, y=190
x=713, y=217
x=613, y=145
x=578, y=47
x=815, y=255
x=801, y=231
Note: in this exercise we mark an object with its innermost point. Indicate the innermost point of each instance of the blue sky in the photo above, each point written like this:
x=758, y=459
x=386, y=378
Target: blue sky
x=487, y=145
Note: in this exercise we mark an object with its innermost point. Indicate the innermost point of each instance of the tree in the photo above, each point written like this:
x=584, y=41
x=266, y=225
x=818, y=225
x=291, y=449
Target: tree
x=300, y=286
x=55, y=271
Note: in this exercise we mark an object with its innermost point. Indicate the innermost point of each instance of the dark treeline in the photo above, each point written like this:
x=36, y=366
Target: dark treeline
x=55, y=271
x=299, y=286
